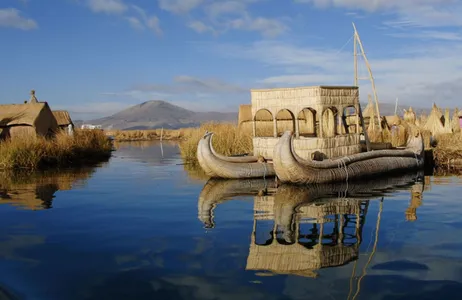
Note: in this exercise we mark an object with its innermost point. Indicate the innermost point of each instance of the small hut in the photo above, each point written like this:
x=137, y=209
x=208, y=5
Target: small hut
x=31, y=119
x=436, y=122
x=63, y=119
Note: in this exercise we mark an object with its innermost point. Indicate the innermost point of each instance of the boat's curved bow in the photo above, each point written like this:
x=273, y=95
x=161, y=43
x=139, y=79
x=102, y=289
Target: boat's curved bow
x=289, y=167
x=219, y=166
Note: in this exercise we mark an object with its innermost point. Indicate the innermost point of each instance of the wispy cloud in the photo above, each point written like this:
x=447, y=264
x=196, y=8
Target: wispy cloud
x=428, y=35
x=179, y=6
x=135, y=16
x=425, y=13
x=223, y=16
x=185, y=84
x=11, y=17
x=416, y=75
x=107, y=6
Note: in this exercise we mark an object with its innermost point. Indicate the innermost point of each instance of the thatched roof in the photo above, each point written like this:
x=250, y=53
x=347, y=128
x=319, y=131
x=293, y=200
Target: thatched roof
x=20, y=114
x=369, y=110
x=392, y=120
x=62, y=117
x=434, y=122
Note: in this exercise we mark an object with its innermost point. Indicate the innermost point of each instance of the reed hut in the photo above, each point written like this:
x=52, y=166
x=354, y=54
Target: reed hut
x=30, y=120
x=410, y=116
x=436, y=122
x=369, y=112
x=323, y=119
x=63, y=119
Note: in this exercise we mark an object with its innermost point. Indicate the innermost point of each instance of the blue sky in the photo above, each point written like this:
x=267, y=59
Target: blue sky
x=96, y=57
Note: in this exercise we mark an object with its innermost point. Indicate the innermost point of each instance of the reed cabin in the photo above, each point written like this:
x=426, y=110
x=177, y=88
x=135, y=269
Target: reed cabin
x=323, y=119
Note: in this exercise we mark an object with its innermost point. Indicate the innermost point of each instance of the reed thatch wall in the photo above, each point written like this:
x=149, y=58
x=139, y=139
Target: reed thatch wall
x=339, y=145
x=296, y=99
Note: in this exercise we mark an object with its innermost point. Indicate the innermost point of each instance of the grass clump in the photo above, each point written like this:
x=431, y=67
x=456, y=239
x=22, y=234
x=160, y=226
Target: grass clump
x=86, y=146
x=227, y=140
x=448, y=150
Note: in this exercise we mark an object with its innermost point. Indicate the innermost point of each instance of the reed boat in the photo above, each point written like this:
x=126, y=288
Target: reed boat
x=291, y=168
x=230, y=167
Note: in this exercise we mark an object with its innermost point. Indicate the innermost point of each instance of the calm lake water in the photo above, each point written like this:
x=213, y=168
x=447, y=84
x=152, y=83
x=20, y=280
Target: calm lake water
x=143, y=227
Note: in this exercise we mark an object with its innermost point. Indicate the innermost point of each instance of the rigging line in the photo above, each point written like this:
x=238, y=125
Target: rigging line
x=344, y=45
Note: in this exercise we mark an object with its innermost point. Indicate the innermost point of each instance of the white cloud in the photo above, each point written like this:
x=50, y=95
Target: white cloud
x=427, y=13
x=107, y=6
x=267, y=27
x=417, y=75
x=11, y=17
x=179, y=6
x=145, y=21
x=429, y=35
x=200, y=27
x=184, y=84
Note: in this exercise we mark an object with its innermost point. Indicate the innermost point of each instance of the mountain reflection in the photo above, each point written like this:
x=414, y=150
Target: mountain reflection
x=311, y=227
x=35, y=191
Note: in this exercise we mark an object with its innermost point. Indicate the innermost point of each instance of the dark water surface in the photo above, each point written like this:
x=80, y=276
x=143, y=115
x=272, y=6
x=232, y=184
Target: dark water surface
x=141, y=227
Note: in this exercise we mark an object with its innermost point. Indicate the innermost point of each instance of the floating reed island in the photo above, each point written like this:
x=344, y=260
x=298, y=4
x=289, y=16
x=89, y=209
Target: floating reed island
x=327, y=131
x=35, y=137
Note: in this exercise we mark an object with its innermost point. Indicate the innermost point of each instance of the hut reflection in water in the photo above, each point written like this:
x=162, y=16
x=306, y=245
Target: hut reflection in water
x=307, y=227
x=36, y=191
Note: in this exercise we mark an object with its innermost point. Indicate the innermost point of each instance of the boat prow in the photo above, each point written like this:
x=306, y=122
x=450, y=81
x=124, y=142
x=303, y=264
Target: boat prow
x=219, y=166
x=291, y=168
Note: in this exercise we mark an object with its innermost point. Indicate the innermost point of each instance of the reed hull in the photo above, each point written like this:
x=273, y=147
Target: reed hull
x=290, y=168
x=219, y=166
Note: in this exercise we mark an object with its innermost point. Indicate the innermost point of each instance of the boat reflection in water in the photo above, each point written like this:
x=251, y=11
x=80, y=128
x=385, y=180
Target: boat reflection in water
x=314, y=226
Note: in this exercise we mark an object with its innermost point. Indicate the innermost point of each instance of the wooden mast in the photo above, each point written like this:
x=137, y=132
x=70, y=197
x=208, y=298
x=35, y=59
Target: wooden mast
x=357, y=39
x=360, y=112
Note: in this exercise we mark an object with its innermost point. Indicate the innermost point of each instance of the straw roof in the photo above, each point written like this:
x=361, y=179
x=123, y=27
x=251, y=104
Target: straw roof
x=369, y=110
x=434, y=122
x=20, y=114
x=62, y=117
x=410, y=116
x=36, y=115
x=392, y=120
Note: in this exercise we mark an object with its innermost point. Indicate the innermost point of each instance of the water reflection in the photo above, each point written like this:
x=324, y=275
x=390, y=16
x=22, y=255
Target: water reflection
x=150, y=152
x=36, y=191
x=311, y=227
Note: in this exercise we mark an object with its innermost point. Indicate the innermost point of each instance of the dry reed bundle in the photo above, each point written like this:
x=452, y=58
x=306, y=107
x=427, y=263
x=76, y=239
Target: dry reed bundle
x=448, y=149
x=409, y=116
x=455, y=121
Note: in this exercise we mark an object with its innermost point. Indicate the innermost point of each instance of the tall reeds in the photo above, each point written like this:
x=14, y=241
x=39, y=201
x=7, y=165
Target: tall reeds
x=228, y=140
x=86, y=146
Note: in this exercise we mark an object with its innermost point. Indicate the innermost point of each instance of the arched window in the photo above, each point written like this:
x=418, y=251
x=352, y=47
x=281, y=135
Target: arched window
x=307, y=123
x=349, y=120
x=264, y=123
x=285, y=120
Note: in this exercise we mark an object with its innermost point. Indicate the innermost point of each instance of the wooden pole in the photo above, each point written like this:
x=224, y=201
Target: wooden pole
x=355, y=53
x=370, y=75
x=396, y=106
x=366, y=137
x=161, y=133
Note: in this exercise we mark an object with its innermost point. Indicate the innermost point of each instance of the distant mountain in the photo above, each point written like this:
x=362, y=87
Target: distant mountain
x=157, y=114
